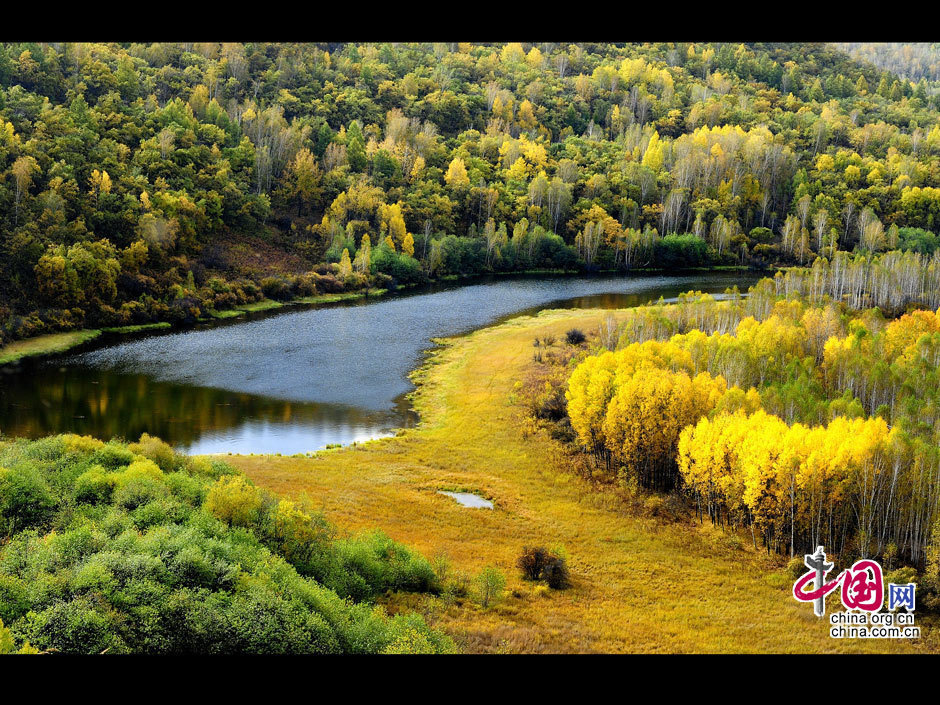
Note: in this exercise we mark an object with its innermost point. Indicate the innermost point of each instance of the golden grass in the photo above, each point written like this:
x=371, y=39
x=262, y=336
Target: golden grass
x=45, y=344
x=640, y=584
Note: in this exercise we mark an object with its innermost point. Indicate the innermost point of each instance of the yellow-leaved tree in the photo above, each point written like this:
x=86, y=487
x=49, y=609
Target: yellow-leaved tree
x=646, y=415
x=345, y=266
x=456, y=176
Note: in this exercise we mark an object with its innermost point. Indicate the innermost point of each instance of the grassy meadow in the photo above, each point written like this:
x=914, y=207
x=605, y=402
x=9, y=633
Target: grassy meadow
x=641, y=583
x=49, y=344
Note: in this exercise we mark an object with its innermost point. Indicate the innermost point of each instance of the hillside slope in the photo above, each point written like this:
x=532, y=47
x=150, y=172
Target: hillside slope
x=159, y=182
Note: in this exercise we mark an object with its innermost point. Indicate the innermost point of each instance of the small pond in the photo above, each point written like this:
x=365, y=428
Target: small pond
x=468, y=499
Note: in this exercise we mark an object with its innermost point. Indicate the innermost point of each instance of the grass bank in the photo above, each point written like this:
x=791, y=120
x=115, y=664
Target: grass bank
x=141, y=328
x=54, y=343
x=640, y=584
x=270, y=304
x=45, y=345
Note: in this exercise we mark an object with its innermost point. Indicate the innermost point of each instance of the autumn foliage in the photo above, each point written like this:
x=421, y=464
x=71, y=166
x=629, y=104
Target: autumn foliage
x=803, y=423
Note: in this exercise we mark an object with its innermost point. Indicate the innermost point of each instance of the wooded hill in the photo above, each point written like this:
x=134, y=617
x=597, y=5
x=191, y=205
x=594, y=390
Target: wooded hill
x=164, y=181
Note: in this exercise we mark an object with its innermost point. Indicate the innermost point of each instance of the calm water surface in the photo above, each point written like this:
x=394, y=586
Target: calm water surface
x=290, y=381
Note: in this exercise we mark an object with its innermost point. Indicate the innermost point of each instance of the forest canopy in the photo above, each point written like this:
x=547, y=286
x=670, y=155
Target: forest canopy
x=163, y=182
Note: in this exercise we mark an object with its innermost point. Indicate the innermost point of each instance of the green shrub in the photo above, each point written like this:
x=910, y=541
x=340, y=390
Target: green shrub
x=94, y=485
x=139, y=483
x=158, y=511
x=159, y=452
x=186, y=487
x=235, y=501
x=410, y=635
x=156, y=553
x=14, y=598
x=384, y=565
x=680, y=252
x=761, y=235
x=77, y=626
x=25, y=498
x=277, y=288
x=113, y=456
x=795, y=567
x=490, y=584
x=918, y=240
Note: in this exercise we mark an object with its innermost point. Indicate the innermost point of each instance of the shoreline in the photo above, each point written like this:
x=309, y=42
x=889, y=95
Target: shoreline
x=472, y=436
x=50, y=345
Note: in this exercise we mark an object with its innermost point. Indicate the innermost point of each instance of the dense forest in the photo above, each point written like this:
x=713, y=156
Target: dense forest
x=165, y=182
x=914, y=61
x=799, y=415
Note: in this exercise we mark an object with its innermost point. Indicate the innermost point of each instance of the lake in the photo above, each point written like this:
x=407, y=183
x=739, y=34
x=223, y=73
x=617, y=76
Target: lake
x=294, y=380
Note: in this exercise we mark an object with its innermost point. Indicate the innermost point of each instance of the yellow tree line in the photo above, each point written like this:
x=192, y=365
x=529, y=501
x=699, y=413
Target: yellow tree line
x=661, y=413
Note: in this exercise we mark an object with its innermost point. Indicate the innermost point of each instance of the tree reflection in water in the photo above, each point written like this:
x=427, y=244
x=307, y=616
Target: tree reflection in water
x=292, y=381
x=43, y=399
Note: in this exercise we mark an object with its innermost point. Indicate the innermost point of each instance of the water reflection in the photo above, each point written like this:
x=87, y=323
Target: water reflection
x=289, y=382
x=198, y=419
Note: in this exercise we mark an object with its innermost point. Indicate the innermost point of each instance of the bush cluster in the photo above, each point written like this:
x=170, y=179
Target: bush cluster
x=538, y=563
x=134, y=548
